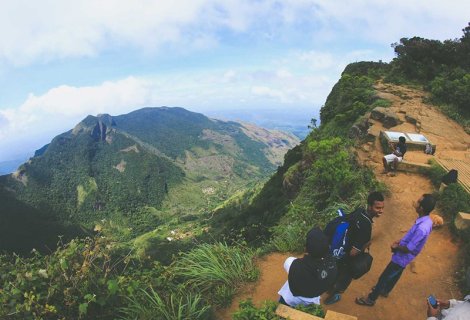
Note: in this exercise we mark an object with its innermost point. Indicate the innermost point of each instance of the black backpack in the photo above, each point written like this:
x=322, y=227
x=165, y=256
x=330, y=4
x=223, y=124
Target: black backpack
x=360, y=264
x=450, y=177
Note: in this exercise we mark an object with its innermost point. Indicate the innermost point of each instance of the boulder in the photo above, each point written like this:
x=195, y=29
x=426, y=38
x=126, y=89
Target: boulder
x=391, y=120
x=378, y=113
x=411, y=119
x=462, y=221
x=387, y=117
x=360, y=128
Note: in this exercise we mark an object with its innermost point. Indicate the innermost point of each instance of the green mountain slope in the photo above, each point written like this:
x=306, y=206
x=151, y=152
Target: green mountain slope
x=142, y=170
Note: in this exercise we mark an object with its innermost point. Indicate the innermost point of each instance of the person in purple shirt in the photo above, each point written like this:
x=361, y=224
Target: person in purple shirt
x=404, y=251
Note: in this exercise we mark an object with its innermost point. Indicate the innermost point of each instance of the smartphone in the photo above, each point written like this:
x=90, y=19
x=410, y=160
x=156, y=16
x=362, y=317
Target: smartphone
x=432, y=301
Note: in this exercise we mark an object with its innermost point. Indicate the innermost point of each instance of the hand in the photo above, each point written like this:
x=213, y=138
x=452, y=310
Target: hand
x=443, y=304
x=432, y=312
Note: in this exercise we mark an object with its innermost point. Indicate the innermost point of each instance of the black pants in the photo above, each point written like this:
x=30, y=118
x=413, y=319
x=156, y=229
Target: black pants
x=344, y=278
x=388, y=279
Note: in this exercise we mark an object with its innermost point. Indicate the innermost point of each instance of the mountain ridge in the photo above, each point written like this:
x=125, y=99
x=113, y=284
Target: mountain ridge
x=115, y=167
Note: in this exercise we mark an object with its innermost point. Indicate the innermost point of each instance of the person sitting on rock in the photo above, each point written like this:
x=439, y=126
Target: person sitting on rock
x=311, y=275
x=391, y=160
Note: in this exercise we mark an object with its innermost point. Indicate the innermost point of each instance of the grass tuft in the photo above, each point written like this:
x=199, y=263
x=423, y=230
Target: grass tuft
x=217, y=270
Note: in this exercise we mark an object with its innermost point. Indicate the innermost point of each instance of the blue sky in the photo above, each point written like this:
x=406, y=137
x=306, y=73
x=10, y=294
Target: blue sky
x=62, y=60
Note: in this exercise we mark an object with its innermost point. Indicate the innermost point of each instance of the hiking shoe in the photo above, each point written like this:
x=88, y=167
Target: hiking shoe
x=365, y=301
x=333, y=299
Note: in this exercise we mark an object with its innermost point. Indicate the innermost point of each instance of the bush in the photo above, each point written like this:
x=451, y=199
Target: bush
x=217, y=270
x=248, y=311
x=452, y=200
x=81, y=279
x=149, y=305
x=267, y=311
x=435, y=173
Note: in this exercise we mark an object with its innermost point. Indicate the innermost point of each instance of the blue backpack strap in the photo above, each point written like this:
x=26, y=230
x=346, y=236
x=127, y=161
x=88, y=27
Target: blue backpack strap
x=339, y=240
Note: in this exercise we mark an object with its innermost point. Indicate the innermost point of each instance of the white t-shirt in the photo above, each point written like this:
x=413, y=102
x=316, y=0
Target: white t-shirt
x=285, y=292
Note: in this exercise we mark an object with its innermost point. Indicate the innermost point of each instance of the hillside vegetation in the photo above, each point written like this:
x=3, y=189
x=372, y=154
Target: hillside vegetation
x=131, y=174
x=99, y=278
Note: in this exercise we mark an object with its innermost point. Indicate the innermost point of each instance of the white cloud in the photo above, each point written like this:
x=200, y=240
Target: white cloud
x=269, y=92
x=387, y=21
x=46, y=30
x=70, y=101
x=60, y=108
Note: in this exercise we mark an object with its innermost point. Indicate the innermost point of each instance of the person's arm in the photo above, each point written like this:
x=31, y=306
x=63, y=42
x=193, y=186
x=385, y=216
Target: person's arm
x=397, y=152
x=443, y=304
x=397, y=247
x=288, y=263
x=354, y=252
x=411, y=244
x=360, y=233
x=432, y=312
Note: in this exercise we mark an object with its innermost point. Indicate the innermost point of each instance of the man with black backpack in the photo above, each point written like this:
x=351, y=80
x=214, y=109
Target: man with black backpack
x=356, y=240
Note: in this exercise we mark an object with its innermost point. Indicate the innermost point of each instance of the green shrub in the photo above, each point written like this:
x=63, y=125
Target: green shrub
x=81, y=279
x=454, y=199
x=290, y=237
x=381, y=103
x=149, y=305
x=248, y=311
x=313, y=309
x=217, y=269
x=267, y=311
x=435, y=173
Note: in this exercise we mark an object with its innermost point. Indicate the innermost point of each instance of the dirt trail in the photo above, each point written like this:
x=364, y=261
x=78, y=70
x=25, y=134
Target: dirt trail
x=435, y=268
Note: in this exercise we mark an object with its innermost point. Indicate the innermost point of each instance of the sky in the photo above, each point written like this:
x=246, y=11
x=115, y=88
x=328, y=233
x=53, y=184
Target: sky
x=62, y=60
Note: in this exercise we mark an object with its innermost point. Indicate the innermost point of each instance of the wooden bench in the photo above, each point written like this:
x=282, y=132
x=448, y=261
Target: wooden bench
x=287, y=312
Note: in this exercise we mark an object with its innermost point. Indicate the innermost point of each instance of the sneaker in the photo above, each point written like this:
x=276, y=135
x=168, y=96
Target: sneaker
x=365, y=301
x=333, y=299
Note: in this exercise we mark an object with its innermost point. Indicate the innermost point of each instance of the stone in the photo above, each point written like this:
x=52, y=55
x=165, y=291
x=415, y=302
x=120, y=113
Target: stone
x=359, y=129
x=384, y=115
x=462, y=221
x=370, y=137
x=378, y=113
x=287, y=312
x=411, y=119
x=391, y=120
x=355, y=132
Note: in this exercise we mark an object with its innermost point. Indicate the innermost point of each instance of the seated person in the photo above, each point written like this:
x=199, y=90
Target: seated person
x=311, y=275
x=450, y=309
x=399, y=150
